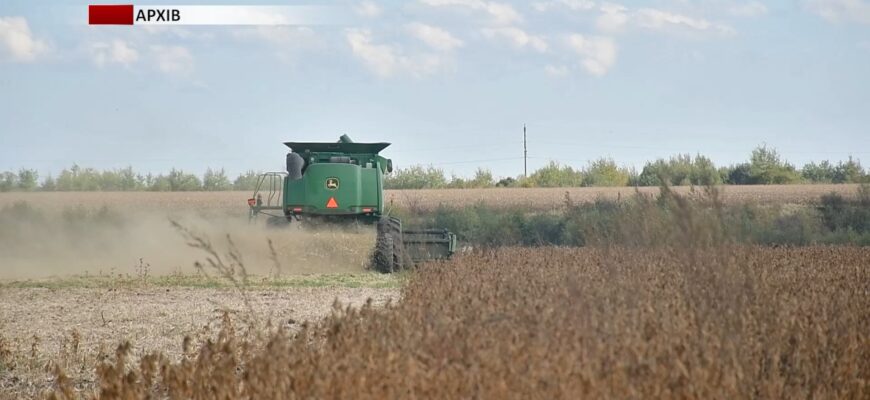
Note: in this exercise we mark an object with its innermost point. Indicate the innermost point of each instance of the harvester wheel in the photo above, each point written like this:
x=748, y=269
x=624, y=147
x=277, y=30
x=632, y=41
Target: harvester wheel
x=384, y=258
x=389, y=255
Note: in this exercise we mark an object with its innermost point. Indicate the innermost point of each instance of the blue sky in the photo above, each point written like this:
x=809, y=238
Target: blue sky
x=449, y=82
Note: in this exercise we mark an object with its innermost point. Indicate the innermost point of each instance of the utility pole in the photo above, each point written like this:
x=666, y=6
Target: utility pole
x=525, y=155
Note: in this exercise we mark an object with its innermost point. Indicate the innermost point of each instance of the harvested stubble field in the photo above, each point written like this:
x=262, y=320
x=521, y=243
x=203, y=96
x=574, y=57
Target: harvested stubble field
x=75, y=323
x=422, y=200
x=701, y=322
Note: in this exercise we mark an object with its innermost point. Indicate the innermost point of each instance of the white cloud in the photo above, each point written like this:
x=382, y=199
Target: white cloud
x=368, y=9
x=750, y=9
x=557, y=71
x=517, y=37
x=172, y=60
x=380, y=58
x=116, y=52
x=841, y=10
x=616, y=18
x=499, y=13
x=613, y=18
x=598, y=54
x=575, y=5
x=434, y=37
x=388, y=60
x=654, y=19
x=18, y=42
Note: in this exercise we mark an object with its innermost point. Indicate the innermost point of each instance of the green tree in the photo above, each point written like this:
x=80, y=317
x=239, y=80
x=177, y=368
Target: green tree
x=654, y=172
x=416, y=177
x=554, y=175
x=849, y=172
x=739, y=174
x=704, y=172
x=681, y=169
x=482, y=179
x=214, y=180
x=122, y=179
x=605, y=172
x=8, y=181
x=766, y=167
x=246, y=181
x=179, y=181
x=458, y=182
x=157, y=183
x=28, y=179
x=506, y=182
x=67, y=178
x=822, y=172
x=48, y=185
x=79, y=179
x=129, y=180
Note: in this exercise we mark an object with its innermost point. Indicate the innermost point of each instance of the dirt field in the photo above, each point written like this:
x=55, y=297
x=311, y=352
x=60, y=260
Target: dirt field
x=535, y=198
x=76, y=281
x=78, y=326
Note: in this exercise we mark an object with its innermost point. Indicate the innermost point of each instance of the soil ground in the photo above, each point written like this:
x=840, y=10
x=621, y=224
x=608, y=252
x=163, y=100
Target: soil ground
x=77, y=326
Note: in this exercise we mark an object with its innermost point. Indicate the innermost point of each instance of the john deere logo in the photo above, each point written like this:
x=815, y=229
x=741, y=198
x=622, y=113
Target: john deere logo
x=332, y=183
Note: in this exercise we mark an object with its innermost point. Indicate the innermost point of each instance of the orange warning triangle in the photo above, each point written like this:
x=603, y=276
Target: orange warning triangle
x=332, y=203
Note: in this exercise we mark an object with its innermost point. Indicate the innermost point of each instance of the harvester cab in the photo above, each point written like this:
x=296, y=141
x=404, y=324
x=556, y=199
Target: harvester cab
x=342, y=182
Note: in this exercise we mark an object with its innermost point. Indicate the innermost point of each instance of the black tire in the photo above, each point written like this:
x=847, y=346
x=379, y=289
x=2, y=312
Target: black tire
x=384, y=257
x=389, y=255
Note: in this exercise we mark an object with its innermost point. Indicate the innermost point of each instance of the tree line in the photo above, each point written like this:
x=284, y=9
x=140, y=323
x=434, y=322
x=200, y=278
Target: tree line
x=77, y=178
x=765, y=166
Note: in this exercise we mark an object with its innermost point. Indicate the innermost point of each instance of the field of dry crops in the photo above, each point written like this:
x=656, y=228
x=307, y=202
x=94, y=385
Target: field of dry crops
x=531, y=198
x=692, y=315
x=553, y=198
x=713, y=322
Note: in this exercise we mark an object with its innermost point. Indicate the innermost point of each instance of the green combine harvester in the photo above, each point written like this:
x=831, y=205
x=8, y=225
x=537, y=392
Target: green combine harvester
x=343, y=182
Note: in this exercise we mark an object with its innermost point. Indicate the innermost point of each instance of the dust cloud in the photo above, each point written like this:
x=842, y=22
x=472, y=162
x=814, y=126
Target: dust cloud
x=45, y=242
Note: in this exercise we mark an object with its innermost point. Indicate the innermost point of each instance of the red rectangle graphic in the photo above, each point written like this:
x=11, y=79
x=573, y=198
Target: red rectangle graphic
x=110, y=14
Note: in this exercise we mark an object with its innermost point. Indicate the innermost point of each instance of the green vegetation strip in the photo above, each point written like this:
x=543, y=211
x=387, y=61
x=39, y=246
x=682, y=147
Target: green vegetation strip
x=764, y=166
x=360, y=280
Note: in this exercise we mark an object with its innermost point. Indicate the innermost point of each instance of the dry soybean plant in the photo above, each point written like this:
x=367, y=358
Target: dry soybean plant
x=680, y=313
x=732, y=321
x=229, y=267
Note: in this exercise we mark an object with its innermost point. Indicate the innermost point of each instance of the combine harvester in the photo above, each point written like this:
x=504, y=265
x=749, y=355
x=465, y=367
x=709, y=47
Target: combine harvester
x=343, y=183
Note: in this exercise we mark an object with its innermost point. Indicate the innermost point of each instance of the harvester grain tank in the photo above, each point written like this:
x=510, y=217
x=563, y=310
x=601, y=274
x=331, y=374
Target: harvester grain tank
x=343, y=182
